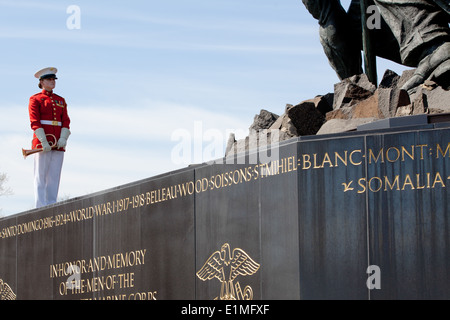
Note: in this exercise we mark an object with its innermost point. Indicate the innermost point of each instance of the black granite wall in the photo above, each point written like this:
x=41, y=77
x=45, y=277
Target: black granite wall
x=305, y=222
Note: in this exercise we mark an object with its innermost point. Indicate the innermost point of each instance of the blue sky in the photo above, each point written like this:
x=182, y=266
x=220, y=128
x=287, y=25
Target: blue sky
x=136, y=73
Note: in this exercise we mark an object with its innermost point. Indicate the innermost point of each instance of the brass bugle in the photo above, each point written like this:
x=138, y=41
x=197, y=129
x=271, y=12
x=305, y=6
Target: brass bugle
x=52, y=144
x=26, y=153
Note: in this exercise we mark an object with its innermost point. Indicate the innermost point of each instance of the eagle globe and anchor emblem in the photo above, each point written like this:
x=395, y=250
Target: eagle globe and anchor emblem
x=6, y=292
x=226, y=267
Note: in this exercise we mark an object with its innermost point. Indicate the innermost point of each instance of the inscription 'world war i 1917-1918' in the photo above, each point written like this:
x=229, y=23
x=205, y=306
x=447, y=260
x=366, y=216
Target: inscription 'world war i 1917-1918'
x=328, y=160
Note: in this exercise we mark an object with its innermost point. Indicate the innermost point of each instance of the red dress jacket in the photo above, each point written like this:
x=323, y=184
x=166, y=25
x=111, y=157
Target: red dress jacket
x=48, y=111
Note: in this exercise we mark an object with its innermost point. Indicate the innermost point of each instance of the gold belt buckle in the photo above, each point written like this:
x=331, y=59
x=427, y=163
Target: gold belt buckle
x=54, y=123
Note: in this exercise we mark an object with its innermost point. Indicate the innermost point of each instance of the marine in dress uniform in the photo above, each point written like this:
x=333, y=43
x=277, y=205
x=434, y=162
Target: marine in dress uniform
x=51, y=123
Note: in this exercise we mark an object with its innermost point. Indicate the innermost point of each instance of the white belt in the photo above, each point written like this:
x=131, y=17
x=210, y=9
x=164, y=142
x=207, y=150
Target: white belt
x=51, y=123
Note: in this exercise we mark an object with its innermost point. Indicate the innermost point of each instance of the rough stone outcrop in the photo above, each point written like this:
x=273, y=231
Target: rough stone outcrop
x=355, y=101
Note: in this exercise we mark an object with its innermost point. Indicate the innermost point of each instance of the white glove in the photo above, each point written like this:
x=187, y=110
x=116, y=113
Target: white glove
x=40, y=134
x=62, y=142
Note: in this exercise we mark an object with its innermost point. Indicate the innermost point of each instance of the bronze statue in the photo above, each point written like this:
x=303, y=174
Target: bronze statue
x=414, y=33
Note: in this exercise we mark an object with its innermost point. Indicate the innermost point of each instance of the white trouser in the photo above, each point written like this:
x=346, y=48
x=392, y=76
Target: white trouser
x=47, y=173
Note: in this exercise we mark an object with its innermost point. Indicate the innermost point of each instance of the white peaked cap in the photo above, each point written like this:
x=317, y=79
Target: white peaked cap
x=46, y=73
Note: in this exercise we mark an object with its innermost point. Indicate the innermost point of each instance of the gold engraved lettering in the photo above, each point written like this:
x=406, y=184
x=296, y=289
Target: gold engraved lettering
x=439, y=151
x=315, y=162
x=312, y=161
x=438, y=179
x=394, y=183
x=418, y=186
x=408, y=182
x=396, y=154
x=326, y=159
x=101, y=263
x=338, y=156
x=185, y=189
x=353, y=161
x=376, y=184
x=372, y=156
x=256, y=172
x=421, y=149
x=291, y=164
x=393, y=154
x=74, y=284
x=348, y=187
x=306, y=162
x=410, y=155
